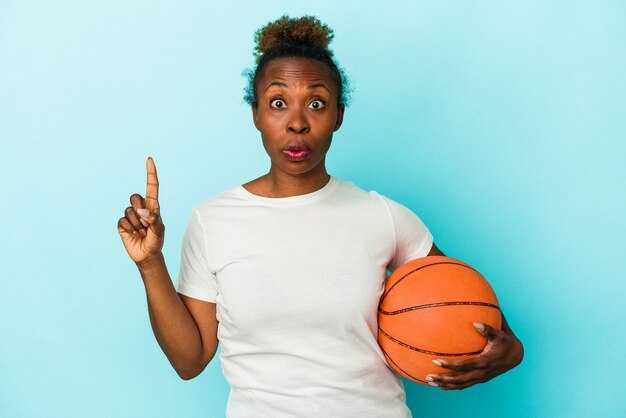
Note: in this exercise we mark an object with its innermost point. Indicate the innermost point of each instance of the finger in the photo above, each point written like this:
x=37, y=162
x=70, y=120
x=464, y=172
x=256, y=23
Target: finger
x=461, y=365
x=460, y=386
x=152, y=186
x=456, y=379
x=123, y=225
x=138, y=229
x=138, y=203
x=463, y=381
x=150, y=217
x=488, y=331
x=153, y=219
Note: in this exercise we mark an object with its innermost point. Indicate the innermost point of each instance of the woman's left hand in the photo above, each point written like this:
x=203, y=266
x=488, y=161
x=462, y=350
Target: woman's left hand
x=502, y=352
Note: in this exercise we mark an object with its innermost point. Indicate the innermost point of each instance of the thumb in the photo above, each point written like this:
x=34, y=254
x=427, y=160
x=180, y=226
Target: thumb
x=486, y=330
x=152, y=218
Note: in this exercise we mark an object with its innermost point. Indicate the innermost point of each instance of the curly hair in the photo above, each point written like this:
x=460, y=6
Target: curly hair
x=304, y=37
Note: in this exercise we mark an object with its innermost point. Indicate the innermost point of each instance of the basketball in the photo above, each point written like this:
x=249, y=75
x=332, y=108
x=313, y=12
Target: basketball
x=427, y=312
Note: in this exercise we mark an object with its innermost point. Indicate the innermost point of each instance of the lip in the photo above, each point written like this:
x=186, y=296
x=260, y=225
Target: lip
x=296, y=154
x=296, y=151
x=296, y=146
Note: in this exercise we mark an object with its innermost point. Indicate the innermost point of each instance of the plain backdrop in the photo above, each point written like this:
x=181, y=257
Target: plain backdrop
x=501, y=124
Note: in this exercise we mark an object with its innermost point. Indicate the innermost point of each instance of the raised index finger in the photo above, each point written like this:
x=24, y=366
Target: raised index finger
x=152, y=187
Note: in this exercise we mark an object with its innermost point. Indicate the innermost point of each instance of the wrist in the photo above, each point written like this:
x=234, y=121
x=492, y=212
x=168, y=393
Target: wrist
x=151, y=263
x=516, y=353
x=520, y=352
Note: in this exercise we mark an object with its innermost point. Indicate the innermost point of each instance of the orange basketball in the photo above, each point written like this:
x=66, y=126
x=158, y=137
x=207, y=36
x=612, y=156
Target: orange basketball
x=427, y=312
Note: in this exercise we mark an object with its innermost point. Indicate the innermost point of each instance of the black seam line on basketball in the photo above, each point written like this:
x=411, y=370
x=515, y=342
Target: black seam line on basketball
x=400, y=368
x=421, y=350
x=436, y=305
x=423, y=267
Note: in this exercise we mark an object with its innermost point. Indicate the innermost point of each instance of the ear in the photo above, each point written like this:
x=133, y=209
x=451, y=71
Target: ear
x=255, y=116
x=340, y=109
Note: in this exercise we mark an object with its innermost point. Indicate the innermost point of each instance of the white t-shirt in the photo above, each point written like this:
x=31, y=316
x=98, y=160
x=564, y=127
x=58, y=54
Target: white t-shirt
x=297, y=281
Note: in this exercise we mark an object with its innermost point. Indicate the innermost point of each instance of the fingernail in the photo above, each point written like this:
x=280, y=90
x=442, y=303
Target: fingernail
x=437, y=363
x=479, y=326
x=144, y=223
x=143, y=212
x=433, y=384
x=428, y=378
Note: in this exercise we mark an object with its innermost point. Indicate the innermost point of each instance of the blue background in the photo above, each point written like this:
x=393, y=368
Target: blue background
x=501, y=124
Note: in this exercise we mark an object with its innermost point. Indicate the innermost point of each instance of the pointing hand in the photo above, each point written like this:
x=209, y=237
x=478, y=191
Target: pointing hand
x=141, y=228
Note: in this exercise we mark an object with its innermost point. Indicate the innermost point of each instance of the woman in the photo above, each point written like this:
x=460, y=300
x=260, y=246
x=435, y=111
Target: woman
x=292, y=264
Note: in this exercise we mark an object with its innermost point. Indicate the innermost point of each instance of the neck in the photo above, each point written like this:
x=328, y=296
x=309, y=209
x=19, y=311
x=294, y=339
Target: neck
x=281, y=184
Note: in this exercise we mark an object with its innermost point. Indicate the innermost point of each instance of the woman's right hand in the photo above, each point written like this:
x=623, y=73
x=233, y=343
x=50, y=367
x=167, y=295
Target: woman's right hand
x=141, y=227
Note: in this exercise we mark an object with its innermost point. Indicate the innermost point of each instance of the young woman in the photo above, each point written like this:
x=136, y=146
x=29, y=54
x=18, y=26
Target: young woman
x=291, y=265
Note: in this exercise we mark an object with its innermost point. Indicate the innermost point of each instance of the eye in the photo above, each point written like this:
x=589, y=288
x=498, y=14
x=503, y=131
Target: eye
x=317, y=104
x=279, y=103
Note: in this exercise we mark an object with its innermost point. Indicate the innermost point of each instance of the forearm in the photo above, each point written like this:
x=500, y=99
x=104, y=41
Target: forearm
x=172, y=324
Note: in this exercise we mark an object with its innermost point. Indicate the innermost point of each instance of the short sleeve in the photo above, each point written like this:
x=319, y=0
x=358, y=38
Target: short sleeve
x=194, y=278
x=413, y=238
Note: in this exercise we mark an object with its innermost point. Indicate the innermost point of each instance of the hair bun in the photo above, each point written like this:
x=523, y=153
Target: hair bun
x=306, y=30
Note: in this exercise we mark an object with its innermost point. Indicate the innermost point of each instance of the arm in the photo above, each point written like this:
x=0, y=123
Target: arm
x=185, y=328
x=503, y=352
x=435, y=251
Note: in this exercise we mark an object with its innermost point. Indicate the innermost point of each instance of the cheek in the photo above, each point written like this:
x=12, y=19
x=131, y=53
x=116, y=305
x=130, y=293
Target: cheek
x=327, y=122
x=269, y=124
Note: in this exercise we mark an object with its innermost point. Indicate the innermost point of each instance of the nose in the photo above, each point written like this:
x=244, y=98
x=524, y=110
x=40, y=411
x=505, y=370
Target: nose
x=297, y=123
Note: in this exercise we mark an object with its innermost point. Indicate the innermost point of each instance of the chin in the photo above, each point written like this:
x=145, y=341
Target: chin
x=297, y=169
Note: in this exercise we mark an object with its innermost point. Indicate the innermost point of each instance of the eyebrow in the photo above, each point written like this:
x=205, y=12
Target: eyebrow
x=312, y=86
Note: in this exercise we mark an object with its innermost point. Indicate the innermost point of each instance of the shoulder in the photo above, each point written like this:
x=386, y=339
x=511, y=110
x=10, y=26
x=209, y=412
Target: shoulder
x=399, y=213
x=353, y=191
x=222, y=200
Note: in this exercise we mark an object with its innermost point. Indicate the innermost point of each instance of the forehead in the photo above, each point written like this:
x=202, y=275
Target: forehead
x=296, y=72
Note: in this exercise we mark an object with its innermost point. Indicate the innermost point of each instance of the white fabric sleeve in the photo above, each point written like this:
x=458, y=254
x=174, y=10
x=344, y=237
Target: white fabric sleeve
x=194, y=278
x=413, y=238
